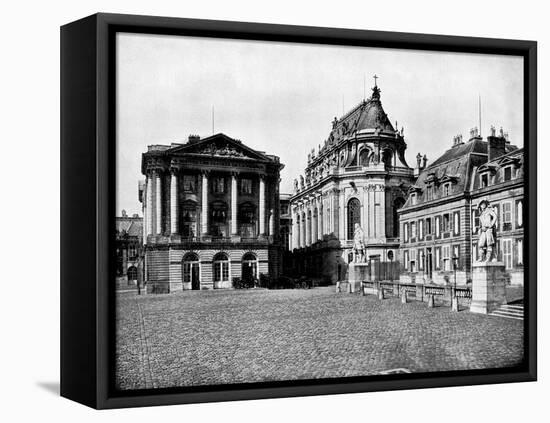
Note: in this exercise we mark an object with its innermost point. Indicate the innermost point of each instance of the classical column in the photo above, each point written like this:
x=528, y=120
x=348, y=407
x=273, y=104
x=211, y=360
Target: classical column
x=308, y=227
x=262, y=205
x=372, y=213
x=174, y=202
x=149, y=205
x=313, y=222
x=382, y=212
x=342, y=230
x=295, y=232
x=303, y=233
x=271, y=223
x=233, y=204
x=204, y=204
x=158, y=203
x=320, y=216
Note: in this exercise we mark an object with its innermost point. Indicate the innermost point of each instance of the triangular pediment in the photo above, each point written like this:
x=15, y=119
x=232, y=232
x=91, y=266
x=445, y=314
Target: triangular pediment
x=220, y=146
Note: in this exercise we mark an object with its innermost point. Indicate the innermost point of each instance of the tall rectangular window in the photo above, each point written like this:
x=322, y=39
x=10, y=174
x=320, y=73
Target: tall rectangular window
x=421, y=229
x=218, y=185
x=413, y=261
x=438, y=226
x=421, y=259
x=413, y=229
x=246, y=186
x=456, y=223
x=406, y=259
x=428, y=226
x=446, y=222
x=507, y=253
x=189, y=183
x=406, y=232
x=438, y=258
x=446, y=190
x=507, y=216
x=475, y=220
x=446, y=257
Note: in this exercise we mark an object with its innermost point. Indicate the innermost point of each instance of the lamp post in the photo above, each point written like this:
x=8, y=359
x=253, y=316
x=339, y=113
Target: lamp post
x=390, y=256
x=454, y=299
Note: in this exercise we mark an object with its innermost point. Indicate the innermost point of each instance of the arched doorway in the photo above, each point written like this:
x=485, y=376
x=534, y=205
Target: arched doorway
x=354, y=216
x=191, y=271
x=220, y=270
x=249, y=267
x=132, y=274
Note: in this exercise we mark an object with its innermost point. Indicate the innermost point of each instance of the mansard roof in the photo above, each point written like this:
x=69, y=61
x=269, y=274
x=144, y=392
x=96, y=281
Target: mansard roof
x=455, y=166
x=514, y=157
x=130, y=226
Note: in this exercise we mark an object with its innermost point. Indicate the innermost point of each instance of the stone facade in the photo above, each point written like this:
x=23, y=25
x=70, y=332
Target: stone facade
x=211, y=209
x=129, y=250
x=438, y=222
x=359, y=175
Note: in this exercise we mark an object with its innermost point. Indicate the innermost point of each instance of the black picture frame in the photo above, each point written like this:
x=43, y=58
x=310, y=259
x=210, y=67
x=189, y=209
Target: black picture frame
x=88, y=208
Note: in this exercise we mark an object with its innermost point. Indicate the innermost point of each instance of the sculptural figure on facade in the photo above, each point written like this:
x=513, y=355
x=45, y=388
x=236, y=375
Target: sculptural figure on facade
x=487, y=237
x=358, y=249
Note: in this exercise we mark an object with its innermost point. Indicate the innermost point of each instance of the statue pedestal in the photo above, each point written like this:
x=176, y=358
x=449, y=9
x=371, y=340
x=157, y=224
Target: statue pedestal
x=357, y=272
x=488, y=286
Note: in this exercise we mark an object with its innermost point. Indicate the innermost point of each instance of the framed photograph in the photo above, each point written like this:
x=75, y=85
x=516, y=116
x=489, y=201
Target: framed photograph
x=258, y=211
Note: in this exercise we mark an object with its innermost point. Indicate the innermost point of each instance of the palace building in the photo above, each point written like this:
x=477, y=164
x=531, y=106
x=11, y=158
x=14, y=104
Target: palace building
x=358, y=176
x=211, y=212
x=129, y=250
x=440, y=224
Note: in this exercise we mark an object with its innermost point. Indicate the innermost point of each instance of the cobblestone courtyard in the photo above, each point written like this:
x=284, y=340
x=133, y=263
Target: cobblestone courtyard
x=232, y=336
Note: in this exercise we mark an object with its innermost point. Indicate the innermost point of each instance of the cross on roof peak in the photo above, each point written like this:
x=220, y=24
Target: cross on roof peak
x=375, y=78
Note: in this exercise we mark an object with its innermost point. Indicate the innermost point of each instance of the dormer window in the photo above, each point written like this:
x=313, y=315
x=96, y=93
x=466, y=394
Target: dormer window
x=483, y=180
x=413, y=199
x=446, y=189
x=429, y=193
x=507, y=173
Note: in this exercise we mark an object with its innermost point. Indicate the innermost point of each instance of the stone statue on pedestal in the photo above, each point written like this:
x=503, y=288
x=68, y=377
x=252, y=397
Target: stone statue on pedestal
x=358, y=245
x=487, y=238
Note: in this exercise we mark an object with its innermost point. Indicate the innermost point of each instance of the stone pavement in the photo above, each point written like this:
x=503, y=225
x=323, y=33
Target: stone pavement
x=232, y=336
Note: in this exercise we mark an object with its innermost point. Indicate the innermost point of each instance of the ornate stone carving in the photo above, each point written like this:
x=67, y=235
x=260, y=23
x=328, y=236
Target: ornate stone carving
x=358, y=249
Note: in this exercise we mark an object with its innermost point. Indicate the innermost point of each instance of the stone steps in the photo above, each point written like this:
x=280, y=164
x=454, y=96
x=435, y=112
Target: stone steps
x=509, y=311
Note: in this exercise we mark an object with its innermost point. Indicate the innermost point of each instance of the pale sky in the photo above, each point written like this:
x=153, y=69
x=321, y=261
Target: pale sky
x=282, y=97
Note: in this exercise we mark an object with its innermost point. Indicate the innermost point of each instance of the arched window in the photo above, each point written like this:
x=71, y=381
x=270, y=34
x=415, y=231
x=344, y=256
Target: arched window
x=189, y=219
x=354, y=216
x=190, y=271
x=218, y=219
x=249, y=267
x=247, y=220
x=364, y=157
x=397, y=204
x=387, y=157
x=221, y=268
x=132, y=273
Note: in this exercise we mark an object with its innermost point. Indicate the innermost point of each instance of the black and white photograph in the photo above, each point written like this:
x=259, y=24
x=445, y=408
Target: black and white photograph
x=295, y=212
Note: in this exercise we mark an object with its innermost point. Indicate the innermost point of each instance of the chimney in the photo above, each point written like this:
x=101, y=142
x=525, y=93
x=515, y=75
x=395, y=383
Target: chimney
x=496, y=146
x=194, y=138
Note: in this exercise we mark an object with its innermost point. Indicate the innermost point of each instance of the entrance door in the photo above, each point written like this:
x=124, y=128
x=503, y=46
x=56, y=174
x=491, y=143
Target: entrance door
x=429, y=263
x=195, y=283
